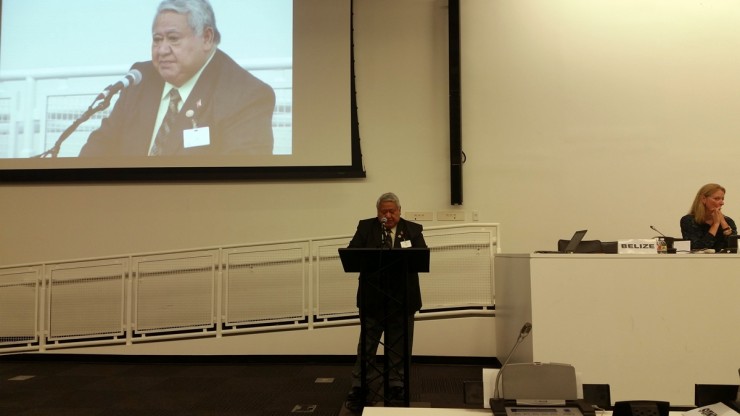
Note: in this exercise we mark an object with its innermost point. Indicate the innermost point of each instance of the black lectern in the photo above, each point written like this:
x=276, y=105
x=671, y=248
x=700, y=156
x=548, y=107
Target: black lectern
x=358, y=260
x=384, y=276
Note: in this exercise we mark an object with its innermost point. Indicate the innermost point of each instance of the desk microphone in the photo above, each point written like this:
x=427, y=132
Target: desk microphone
x=656, y=230
x=526, y=329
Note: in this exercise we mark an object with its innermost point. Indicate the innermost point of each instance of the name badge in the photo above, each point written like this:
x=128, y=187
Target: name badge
x=405, y=244
x=199, y=136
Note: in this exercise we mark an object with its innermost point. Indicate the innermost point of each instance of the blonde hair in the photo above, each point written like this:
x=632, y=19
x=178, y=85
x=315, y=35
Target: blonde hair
x=698, y=210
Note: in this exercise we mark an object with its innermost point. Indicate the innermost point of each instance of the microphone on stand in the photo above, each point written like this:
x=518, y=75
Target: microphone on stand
x=656, y=230
x=133, y=77
x=526, y=329
x=101, y=102
x=666, y=246
x=382, y=231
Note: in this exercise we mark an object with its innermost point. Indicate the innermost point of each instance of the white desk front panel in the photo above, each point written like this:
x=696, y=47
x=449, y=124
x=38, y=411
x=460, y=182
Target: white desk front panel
x=649, y=326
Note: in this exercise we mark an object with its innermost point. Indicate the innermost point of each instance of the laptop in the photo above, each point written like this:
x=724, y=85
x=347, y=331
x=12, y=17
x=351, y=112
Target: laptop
x=572, y=244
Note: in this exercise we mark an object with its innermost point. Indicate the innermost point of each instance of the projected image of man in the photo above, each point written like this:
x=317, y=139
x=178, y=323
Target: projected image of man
x=193, y=98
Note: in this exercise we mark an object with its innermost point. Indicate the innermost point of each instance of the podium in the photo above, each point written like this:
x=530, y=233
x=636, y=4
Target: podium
x=383, y=289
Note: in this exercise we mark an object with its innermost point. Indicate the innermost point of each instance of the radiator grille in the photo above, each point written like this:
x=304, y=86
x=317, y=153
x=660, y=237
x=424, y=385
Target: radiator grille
x=86, y=300
x=175, y=292
x=265, y=284
x=18, y=294
x=459, y=270
x=335, y=289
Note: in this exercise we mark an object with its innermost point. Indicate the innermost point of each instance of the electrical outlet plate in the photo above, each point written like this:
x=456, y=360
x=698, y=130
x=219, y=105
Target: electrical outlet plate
x=419, y=215
x=450, y=215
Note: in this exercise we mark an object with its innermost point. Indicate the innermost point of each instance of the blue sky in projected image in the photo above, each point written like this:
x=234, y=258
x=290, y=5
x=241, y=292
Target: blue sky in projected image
x=42, y=34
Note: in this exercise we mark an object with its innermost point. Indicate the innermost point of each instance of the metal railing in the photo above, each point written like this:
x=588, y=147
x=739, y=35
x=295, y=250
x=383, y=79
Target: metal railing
x=219, y=291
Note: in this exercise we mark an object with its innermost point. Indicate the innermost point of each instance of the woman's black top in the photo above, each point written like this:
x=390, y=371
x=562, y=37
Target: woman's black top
x=700, y=236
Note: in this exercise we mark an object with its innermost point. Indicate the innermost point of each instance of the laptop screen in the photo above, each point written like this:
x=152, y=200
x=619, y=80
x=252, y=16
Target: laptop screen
x=574, y=241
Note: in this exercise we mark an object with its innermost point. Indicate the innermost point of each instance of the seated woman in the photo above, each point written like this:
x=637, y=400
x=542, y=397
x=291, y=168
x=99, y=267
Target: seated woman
x=705, y=225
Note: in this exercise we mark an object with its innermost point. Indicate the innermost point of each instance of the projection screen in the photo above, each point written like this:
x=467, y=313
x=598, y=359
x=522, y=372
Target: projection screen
x=56, y=61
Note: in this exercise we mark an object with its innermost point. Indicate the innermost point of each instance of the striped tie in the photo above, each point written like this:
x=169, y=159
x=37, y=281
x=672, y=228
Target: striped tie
x=163, y=141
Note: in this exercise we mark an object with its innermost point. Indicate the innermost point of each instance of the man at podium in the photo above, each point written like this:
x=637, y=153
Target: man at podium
x=386, y=230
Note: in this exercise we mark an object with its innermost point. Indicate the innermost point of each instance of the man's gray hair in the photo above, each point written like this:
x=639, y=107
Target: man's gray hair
x=388, y=197
x=200, y=15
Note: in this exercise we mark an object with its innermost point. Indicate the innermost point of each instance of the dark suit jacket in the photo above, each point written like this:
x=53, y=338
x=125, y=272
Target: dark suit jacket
x=235, y=105
x=369, y=235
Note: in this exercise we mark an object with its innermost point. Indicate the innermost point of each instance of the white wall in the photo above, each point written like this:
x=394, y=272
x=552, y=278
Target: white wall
x=606, y=115
x=402, y=82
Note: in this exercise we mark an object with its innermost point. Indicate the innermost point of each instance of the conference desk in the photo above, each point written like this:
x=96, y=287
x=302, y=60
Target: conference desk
x=422, y=411
x=650, y=326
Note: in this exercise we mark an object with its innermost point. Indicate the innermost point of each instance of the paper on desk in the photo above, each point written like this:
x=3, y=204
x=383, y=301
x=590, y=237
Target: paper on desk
x=682, y=247
x=717, y=409
x=489, y=386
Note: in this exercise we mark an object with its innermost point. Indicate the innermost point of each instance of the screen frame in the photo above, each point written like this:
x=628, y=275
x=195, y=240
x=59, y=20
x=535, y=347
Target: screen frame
x=208, y=173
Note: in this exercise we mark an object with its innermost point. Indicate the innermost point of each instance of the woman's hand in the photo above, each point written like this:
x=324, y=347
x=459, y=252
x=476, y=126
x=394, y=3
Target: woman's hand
x=718, y=218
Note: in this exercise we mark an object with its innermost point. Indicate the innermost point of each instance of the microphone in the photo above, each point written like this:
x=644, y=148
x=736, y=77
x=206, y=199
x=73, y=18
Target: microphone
x=656, y=230
x=526, y=329
x=382, y=231
x=133, y=77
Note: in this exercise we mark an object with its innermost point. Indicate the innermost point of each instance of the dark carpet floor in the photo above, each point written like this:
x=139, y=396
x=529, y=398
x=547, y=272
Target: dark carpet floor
x=81, y=386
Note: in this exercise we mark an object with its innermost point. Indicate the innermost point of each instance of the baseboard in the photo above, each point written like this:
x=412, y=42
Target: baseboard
x=232, y=359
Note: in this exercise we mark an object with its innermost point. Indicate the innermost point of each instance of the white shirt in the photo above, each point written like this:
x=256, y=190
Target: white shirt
x=184, y=91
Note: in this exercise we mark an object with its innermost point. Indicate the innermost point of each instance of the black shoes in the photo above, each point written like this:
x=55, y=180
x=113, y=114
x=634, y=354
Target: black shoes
x=356, y=399
x=395, y=396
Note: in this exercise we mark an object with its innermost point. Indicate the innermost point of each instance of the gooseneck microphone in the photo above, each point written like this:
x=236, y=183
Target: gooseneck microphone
x=133, y=77
x=656, y=230
x=526, y=329
x=382, y=231
x=101, y=102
